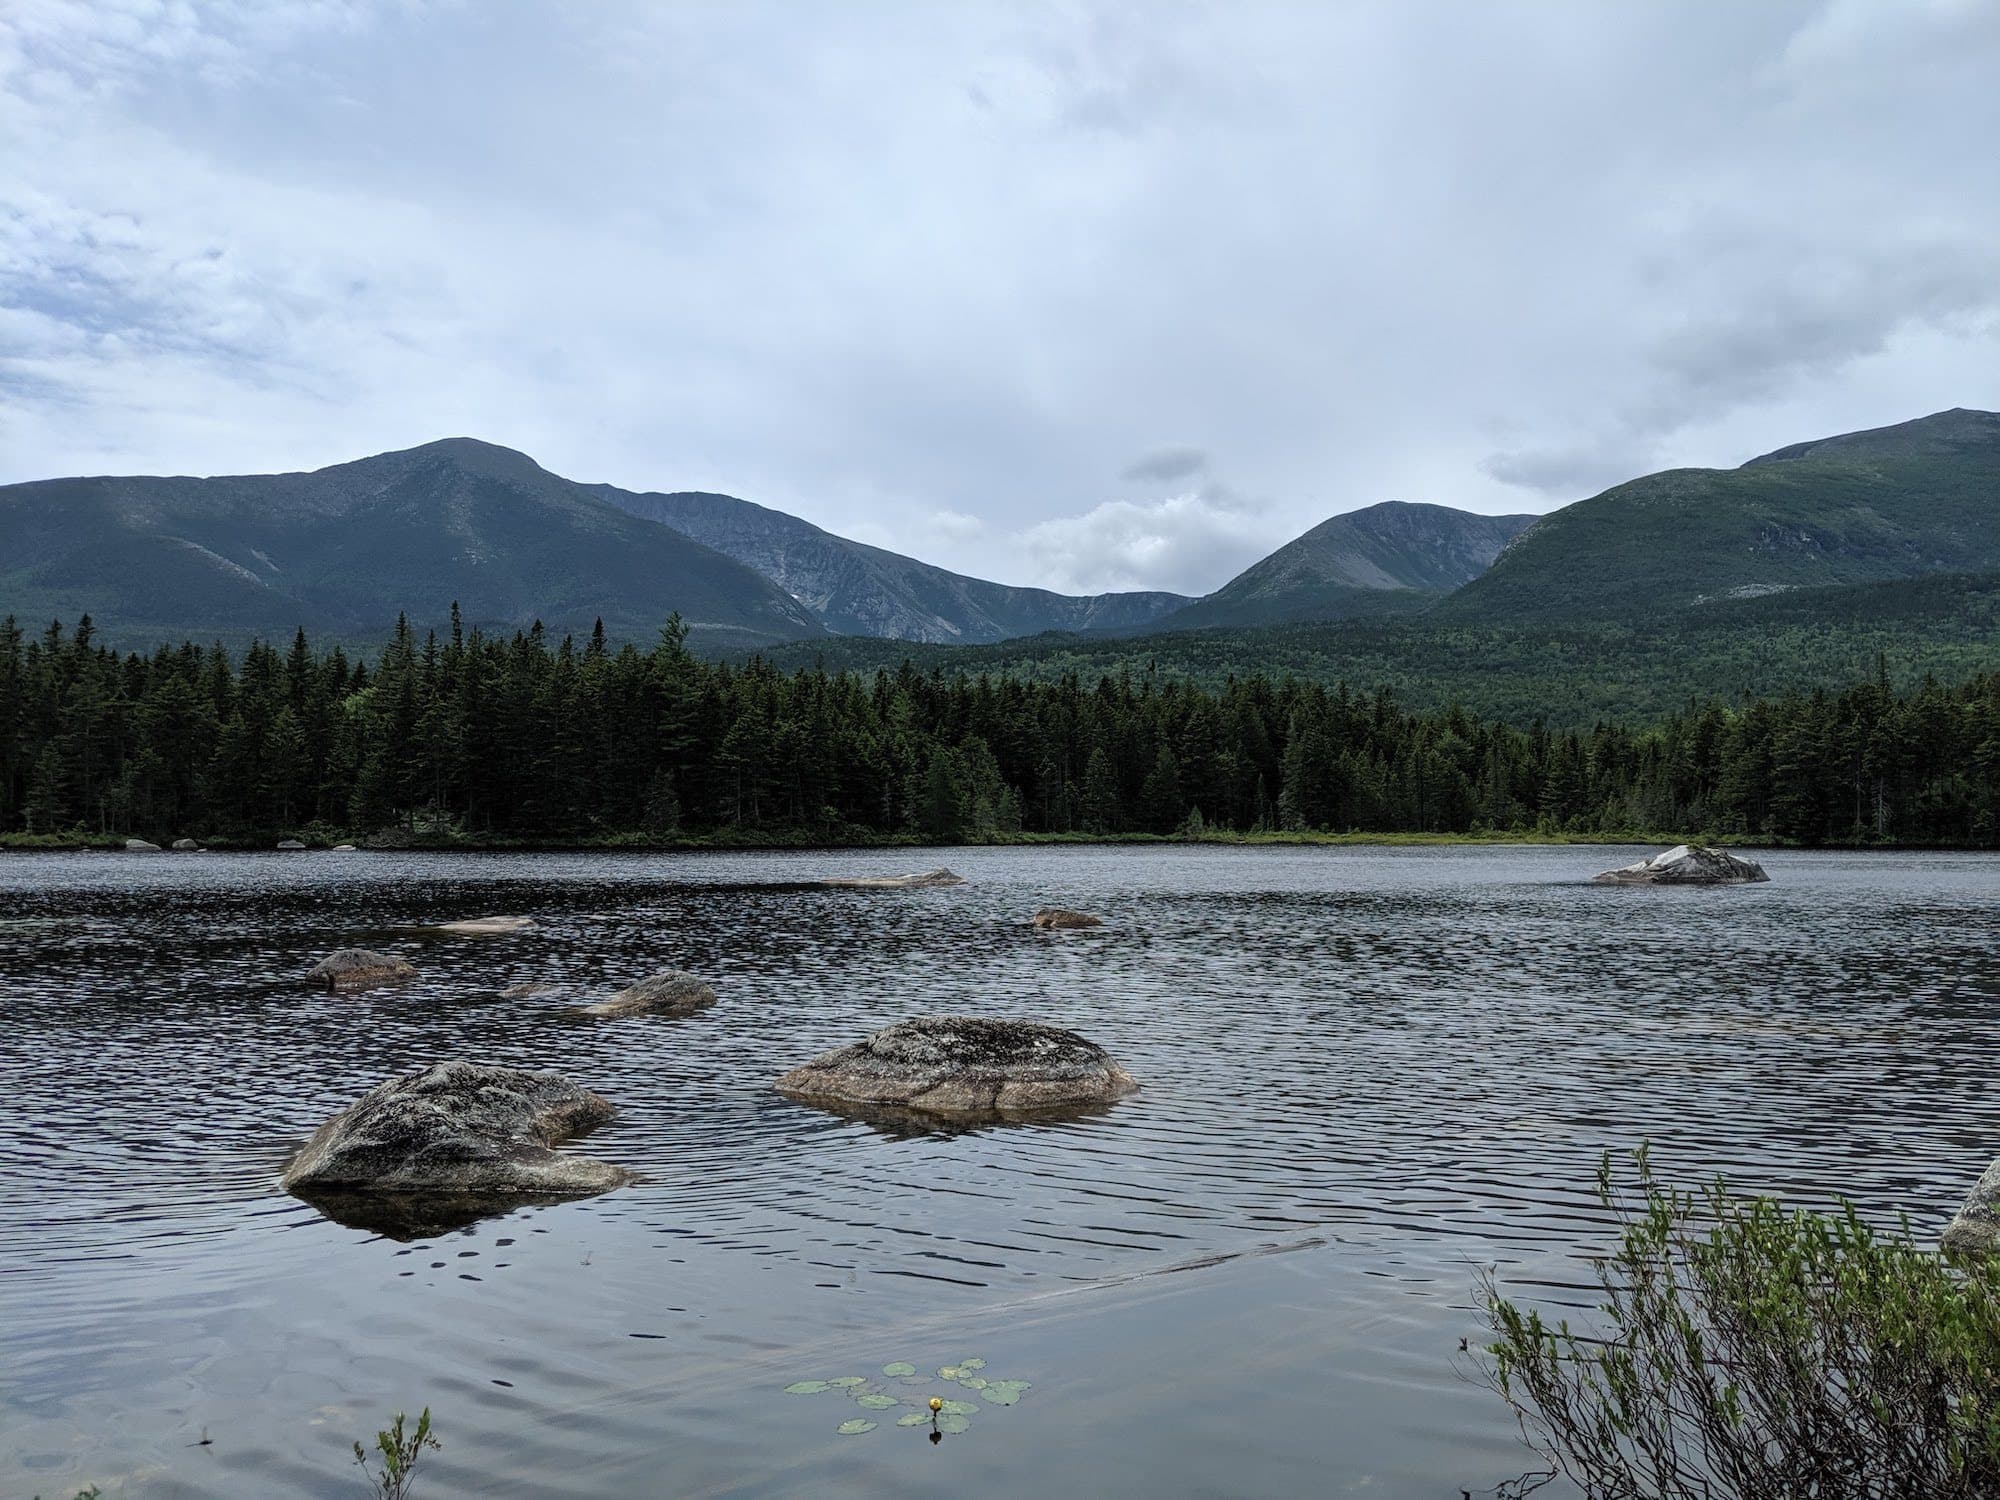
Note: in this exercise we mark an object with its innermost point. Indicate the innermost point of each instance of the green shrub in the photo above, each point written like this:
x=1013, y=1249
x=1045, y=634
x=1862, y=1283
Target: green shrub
x=1751, y=1352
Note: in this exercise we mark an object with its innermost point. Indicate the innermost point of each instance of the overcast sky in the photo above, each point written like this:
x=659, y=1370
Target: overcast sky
x=1090, y=295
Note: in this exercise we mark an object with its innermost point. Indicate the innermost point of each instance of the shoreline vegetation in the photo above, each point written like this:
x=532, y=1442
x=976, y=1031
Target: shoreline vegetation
x=479, y=742
x=795, y=841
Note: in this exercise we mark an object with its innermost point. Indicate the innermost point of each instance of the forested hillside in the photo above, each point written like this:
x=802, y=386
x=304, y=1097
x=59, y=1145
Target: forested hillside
x=524, y=737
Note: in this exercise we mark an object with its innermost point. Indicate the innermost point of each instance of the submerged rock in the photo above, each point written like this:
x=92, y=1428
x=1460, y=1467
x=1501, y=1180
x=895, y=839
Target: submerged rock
x=1688, y=864
x=960, y=1065
x=460, y=1138
x=1976, y=1229
x=1056, y=918
x=358, y=968
x=187, y=846
x=928, y=878
x=671, y=992
x=290, y=844
x=140, y=846
x=482, y=926
x=527, y=989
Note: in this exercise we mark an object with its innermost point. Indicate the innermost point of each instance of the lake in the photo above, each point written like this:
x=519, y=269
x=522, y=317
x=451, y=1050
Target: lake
x=1366, y=1074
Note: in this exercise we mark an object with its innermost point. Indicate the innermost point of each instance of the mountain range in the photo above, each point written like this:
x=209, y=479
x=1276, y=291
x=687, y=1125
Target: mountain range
x=341, y=551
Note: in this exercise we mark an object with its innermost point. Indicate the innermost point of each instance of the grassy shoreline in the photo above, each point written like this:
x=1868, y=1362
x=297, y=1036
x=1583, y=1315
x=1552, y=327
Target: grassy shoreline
x=850, y=838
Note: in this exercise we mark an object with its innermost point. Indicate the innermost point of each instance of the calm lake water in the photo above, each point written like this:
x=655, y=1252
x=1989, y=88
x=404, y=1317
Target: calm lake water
x=1367, y=1072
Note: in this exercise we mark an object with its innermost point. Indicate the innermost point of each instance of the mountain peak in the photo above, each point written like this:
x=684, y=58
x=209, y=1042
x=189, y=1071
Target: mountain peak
x=1942, y=432
x=473, y=455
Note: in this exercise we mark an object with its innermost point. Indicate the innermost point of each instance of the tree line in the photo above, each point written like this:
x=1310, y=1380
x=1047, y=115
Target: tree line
x=482, y=736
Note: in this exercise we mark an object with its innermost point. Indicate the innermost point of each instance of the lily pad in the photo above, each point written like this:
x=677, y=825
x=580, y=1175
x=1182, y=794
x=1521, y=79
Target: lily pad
x=847, y=1380
x=972, y=1382
x=958, y=1408
x=1004, y=1392
x=948, y=1372
x=972, y=1364
x=807, y=1387
x=857, y=1425
x=876, y=1401
x=952, y=1422
x=913, y=1419
x=899, y=1369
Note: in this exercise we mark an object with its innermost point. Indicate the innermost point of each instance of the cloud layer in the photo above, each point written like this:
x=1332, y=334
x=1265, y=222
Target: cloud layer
x=1006, y=285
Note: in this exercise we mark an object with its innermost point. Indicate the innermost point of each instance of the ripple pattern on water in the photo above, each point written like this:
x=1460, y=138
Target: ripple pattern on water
x=1408, y=1058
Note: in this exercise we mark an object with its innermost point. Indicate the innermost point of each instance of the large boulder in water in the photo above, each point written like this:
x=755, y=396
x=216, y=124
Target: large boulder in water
x=187, y=846
x=960, y=1065
x=358, y=968
x=928, y=878
x=1687, y=864
x=1976, y=1229
x=1061, y=919
x=670, y=992
x=461, y=1130
x=140, y=846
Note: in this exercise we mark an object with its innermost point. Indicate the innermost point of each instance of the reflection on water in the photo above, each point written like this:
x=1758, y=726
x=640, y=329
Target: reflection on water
x=1393, y=1064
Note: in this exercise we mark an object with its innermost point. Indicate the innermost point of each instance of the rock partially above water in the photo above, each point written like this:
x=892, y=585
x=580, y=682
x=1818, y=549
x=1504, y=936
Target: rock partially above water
x=358, y=968
x=483, y=926
x=927, y=879
x=290, y=844
x=671, y=992
x=1058, y=918
x=459, y=1129
x=140, y=846
x=1976, y=1229
x=1688, y=864
x=187, y=846
x=342, y=849
x=960, y=1065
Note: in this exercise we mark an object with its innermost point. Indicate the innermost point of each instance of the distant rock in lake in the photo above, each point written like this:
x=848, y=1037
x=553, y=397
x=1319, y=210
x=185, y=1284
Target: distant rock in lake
x=290, y=844
x=1688, y=864
x=359, y=969
x=671, y=992
x=452, y=1143
x=140, y=846
x=187, y=846
x=482, y=926
x=964, y=1066
x=1056, y=918
x=342, y=849
x=1976, y=1229
x=929, y=878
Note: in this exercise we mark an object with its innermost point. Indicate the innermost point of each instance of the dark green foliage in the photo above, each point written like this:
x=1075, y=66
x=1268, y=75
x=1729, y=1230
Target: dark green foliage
x=1754, y=1353
x=520, y=737
x=1562, y=674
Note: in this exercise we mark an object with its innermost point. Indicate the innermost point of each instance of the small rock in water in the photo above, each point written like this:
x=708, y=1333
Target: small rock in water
x=187, y=846
x=342, y=849
x=962, y=1065
x=290, y=844
x=671, y=992
x=929, y=878
x=1976, y=1229
x=1687, y=864
x=483, y=926
x=1056, y=918
x=358, y=968
x=140, y=846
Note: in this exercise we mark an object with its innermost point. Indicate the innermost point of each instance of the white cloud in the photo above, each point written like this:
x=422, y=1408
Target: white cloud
x=1185, y=543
